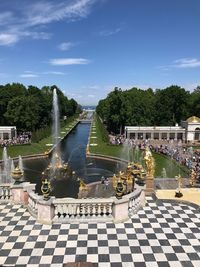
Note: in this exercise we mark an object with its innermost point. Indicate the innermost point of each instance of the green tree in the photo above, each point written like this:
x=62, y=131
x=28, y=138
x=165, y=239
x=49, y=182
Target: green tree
x=171, y=105
x=194, y=103
x=24, y=112
x=7, y=93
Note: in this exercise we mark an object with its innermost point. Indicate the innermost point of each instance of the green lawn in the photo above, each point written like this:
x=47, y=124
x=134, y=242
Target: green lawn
x=40, y=147
x=196, y=147
x=103, y=148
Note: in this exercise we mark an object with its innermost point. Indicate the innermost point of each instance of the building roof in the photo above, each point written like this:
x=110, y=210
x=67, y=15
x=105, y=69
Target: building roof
x=193, y=119
x=154, y=128
x=7, y=128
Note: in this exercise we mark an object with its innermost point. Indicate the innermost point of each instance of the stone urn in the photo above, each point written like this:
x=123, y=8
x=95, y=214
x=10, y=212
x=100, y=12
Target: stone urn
x=17, y=175
x=46, y=188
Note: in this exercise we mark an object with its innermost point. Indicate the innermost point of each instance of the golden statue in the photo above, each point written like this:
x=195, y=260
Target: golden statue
x=192, y=177
x=149, y=162
x=82, y=185
x=114, y=181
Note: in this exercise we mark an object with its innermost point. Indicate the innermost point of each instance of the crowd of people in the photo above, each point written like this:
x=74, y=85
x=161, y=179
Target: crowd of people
x=117, y=139
x=174, y=149
x=22, y=138
x=183, y=155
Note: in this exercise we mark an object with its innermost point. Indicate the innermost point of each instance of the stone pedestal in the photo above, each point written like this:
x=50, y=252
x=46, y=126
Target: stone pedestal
x=83, y=193
x=120, y=210
x=46, y=211
x=19, y=193
x=149, y=186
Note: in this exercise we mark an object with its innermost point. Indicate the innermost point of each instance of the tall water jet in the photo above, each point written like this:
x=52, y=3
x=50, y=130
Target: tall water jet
x=56, y=115
x=126, y=150
x=163, y=173
x=56, y=169
x=5, y=158
x=56, y=159
x=136, y=157
x=5, y=176
x=12, y=167
x=20, y=163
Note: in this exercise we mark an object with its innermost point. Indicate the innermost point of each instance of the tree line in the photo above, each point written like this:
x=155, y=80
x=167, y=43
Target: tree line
x=137, y=107
x=30, y=108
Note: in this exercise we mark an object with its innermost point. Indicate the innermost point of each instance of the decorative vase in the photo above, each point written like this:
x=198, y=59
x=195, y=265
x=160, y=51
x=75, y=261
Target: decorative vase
x=46, y=189
x=17, y=175
x=119, y=190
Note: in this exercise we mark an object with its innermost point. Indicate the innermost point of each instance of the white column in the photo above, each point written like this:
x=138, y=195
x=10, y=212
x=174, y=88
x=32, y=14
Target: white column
x=183, y=136
x=127, y=134
x=160, y=136
x=175, y=136
x=167, y=135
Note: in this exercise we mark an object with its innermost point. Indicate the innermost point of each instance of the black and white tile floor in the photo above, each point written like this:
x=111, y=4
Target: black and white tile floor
x=161, y=234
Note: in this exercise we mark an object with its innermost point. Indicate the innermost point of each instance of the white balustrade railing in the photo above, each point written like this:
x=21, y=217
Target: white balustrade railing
x=73, y=210
x=136, y=200
x=32, y=203
x=67, y=209
x=5, y=193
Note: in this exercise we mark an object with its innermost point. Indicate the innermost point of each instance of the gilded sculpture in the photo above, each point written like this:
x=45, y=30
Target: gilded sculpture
x=149, y=162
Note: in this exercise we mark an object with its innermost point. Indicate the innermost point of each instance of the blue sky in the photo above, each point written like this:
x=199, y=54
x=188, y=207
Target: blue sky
x=87, y=47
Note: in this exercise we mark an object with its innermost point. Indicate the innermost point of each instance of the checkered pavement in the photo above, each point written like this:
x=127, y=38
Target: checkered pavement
x=161, y=234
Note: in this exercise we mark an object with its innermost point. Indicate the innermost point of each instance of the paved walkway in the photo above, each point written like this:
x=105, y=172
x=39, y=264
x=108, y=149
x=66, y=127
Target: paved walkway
x=189, y=194
x=161, y=234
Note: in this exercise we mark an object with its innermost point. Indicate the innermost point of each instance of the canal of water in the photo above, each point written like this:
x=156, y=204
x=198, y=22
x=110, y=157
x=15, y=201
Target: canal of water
x=73, y=149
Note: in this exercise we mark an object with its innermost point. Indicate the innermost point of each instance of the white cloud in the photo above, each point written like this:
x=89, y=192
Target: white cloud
x=65, y=46
x=54, y=72
x=35, y=35
x=187, y=63
x=91, y=96
x=28, y=75
x=69, y=61
x=34, y=74
x=181, y=63
x=8, y=39
x=109, y=32
x=25, y=20
x=190, y=86
x=47, y=12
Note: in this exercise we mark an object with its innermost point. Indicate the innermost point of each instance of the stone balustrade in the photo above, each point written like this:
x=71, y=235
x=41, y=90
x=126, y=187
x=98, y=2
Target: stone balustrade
x=5, y=193
x=33, y=204
x=97, y=209
x=136, y=201
x=74, y=210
